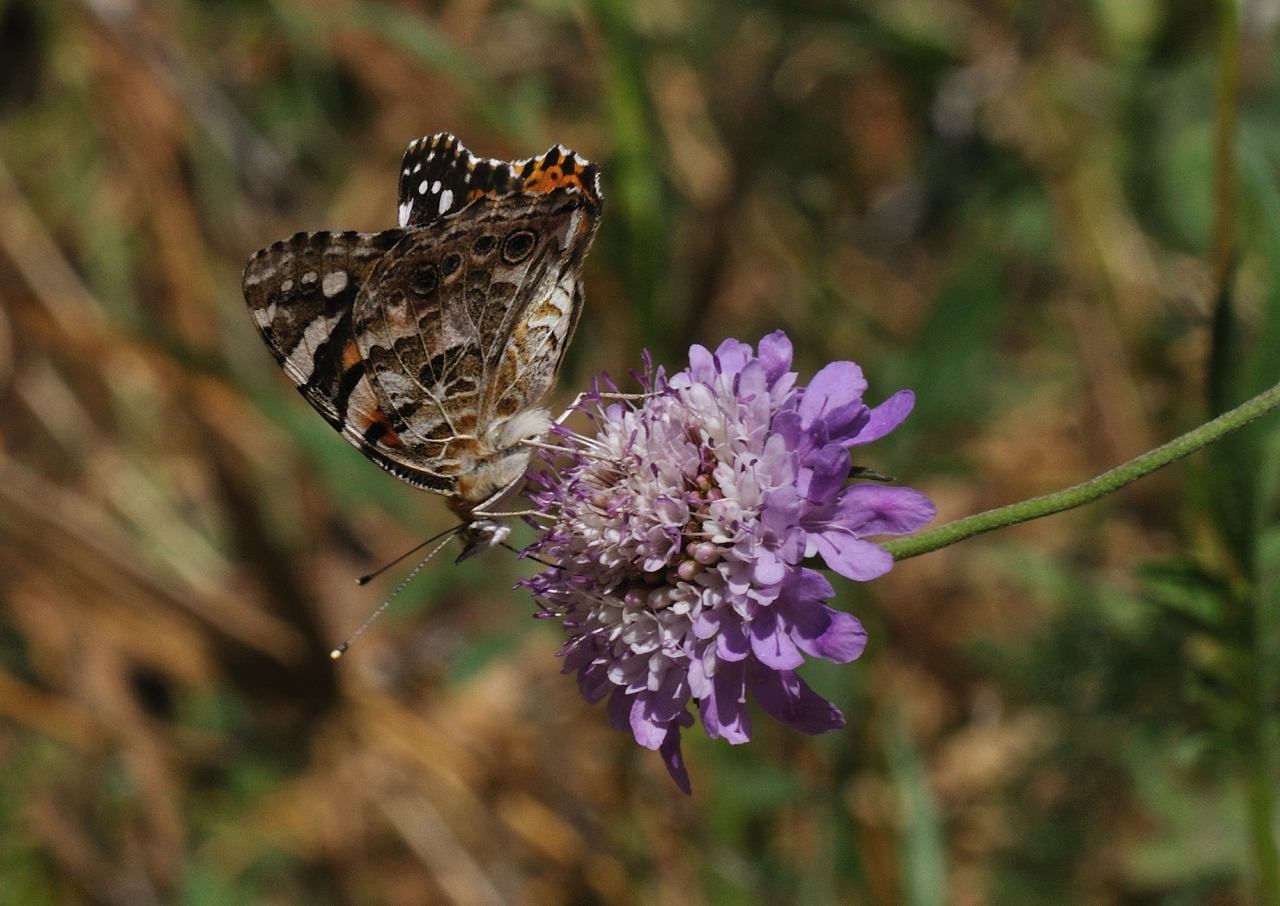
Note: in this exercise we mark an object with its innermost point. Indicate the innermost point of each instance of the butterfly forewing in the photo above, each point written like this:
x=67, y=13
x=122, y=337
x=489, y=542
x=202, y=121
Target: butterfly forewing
x=438, y=177
x=301, y=292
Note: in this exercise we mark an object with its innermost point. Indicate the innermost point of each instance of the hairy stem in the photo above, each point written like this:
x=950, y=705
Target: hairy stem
x=1089, y=491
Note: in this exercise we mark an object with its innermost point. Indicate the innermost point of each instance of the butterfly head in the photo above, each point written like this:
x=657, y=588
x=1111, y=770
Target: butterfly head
x=481, y=534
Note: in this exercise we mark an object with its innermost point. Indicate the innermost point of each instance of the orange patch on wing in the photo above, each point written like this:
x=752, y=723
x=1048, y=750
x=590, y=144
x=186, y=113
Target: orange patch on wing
x=540, y=182
x=376, y=428
x=389, y=437
x=350, y=355
x=547, y=178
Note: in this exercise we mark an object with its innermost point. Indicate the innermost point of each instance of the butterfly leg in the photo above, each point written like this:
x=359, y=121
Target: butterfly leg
x=553, y=448
x=537, y=442
x=482, y=512
x=586, y=395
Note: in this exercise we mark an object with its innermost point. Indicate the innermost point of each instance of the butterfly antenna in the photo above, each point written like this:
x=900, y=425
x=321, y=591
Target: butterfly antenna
x=365, y=580
x=377, y=611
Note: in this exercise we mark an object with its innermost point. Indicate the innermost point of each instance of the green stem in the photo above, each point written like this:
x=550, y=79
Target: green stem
x=1262, y=742
x=1260, y=745
x=1260, y=793
x=1222, y=250
x=1086, y=492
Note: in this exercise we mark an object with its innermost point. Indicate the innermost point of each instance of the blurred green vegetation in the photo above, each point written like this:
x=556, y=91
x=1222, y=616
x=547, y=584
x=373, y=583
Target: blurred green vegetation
x=1059, y=223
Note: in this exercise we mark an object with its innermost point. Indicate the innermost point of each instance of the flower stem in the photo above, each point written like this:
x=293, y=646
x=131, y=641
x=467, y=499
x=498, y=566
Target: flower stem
x=1086, y=492
x=1260, y=796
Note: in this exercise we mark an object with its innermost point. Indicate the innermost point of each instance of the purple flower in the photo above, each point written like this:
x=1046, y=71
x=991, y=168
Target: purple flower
x=681, y=534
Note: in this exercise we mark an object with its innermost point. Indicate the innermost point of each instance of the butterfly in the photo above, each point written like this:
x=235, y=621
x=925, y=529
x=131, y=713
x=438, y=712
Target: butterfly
x=431, y=346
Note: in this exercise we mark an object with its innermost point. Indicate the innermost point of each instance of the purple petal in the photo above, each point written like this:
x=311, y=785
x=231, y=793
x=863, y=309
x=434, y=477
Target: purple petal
x=875, y=509
x=834, y=387
x=577, y=653
x=669, y=699
x=699, y=682
x=823, y=632
x=724, y=712
x=647, y=731
x=812, y=437
x=804, y=588
x=771, y=644
x=807, y=585
x=619, y=710
x=752, y=382
x=702, y=366
x=786, y=698
x=643, y=728
x=789, y=426
x=780, y=389
x=731, y=643
x=775, y=355
x=852, y=557
x=824, y=473
x=769, y=570
x=706, y=624
x=732, y=356
x=593, y=682
x=673, y=758
x=884, y=418
x=782, y=508
x=791, y=544
x=843, y=422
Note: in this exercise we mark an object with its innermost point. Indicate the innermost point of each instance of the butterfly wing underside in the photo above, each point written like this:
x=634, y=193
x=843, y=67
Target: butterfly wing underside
x=439, y=177
x=301, y=292
x=465, y=325
x=424, y=345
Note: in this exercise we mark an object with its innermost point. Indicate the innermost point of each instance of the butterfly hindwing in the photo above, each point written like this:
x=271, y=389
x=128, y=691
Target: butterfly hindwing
x=435, y=317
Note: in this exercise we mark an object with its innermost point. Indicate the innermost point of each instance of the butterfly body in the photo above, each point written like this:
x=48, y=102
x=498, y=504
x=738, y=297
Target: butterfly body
x=431, y=346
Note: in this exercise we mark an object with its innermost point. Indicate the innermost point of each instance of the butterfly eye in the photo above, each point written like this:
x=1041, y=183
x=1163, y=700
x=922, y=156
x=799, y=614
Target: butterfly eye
x=484, y=245
x=424, y=280
x=517, y=247
x=450, y=263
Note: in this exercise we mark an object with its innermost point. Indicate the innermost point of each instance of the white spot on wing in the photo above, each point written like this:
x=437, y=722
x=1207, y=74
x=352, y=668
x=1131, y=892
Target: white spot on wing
x=334, y=283
x=287, y=286
x=568, y=230
x=435, y=186
x=405, y=210
x=416, y=167
x=422, y=187
x=316, y=333
x=446, y=199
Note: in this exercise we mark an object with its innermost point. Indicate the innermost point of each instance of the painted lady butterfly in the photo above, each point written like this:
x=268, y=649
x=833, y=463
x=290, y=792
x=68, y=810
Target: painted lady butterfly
x=430, y=346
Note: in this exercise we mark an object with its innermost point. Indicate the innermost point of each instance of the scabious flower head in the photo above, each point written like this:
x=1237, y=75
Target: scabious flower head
x=681, y=536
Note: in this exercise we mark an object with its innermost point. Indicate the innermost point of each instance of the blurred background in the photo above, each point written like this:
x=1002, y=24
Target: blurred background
x=1058, y=222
